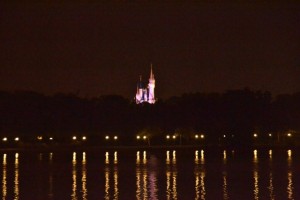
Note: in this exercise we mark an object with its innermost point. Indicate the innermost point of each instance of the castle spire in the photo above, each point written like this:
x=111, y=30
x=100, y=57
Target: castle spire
x=151, y=73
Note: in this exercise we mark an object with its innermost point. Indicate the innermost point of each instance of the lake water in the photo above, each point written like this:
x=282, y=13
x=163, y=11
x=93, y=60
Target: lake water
x=151, y=174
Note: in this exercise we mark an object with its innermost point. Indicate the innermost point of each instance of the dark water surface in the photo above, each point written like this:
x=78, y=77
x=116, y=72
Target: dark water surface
x=151, y=174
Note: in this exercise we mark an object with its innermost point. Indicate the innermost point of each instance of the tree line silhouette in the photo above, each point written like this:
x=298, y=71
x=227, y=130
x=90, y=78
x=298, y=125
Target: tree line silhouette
x=235, y=113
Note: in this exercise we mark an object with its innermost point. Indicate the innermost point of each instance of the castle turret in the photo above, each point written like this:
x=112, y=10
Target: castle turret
x=146, y=94
x=151, y=87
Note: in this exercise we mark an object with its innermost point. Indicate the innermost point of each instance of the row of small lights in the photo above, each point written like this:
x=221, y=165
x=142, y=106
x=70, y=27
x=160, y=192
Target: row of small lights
x=175, y=136
x=138, y=137
x=270, y=135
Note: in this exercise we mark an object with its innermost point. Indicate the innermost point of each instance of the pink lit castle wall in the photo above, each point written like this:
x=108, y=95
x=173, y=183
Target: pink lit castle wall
x=146, y=94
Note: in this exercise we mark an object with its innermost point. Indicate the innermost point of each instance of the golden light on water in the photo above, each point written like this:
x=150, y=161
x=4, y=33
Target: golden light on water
x=115, y=157
x=138, y=159
x=4, y=177
x=271, y=187
x=255, y=176
x=202, y=156
x=224, y=155
x=107, y=186
x=116, y=183
x=74, y=178
x=289, y=154
x=270, y=154
x=106, y=158
x=196, y=157
x=138, y=184
x=168, y=157
x=50, y=157
x=290, y=186
x=84, y=177
x=74, y=158
x=225, y=188
x=174, y=157
x=145, y=185
x=171, y=183
x=256, y=185
x=255, y=155
x=16, y=181
x=200, y=190
x=144, y=157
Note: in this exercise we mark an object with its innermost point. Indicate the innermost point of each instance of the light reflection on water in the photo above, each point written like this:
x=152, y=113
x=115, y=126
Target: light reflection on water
x=4, y=181
x=171, y=175
x=290, y=186
x=255, y=175
x=16, y=181
x=111, y=174
x=199, y=171
x=225, y=184
x=158, y=175
x=146, y=177
x=74, y=177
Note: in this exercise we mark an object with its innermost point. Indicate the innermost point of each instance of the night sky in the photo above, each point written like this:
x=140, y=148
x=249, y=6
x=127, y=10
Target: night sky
x=97, y=49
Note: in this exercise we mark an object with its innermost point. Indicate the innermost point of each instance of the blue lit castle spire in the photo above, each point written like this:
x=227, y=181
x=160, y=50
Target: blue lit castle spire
x=146, y=94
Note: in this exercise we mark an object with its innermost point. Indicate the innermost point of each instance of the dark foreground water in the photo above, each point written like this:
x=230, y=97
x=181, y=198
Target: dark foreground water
x=151, y=174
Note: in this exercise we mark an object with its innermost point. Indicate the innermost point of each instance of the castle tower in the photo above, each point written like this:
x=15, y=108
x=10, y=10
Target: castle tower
x=146, y=94
x=151, y=86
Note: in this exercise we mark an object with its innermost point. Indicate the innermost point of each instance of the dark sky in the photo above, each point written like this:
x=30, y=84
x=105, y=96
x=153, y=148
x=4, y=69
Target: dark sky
x=98, y=49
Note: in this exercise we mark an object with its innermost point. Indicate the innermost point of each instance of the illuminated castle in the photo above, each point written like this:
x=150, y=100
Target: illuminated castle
x=145, y=94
